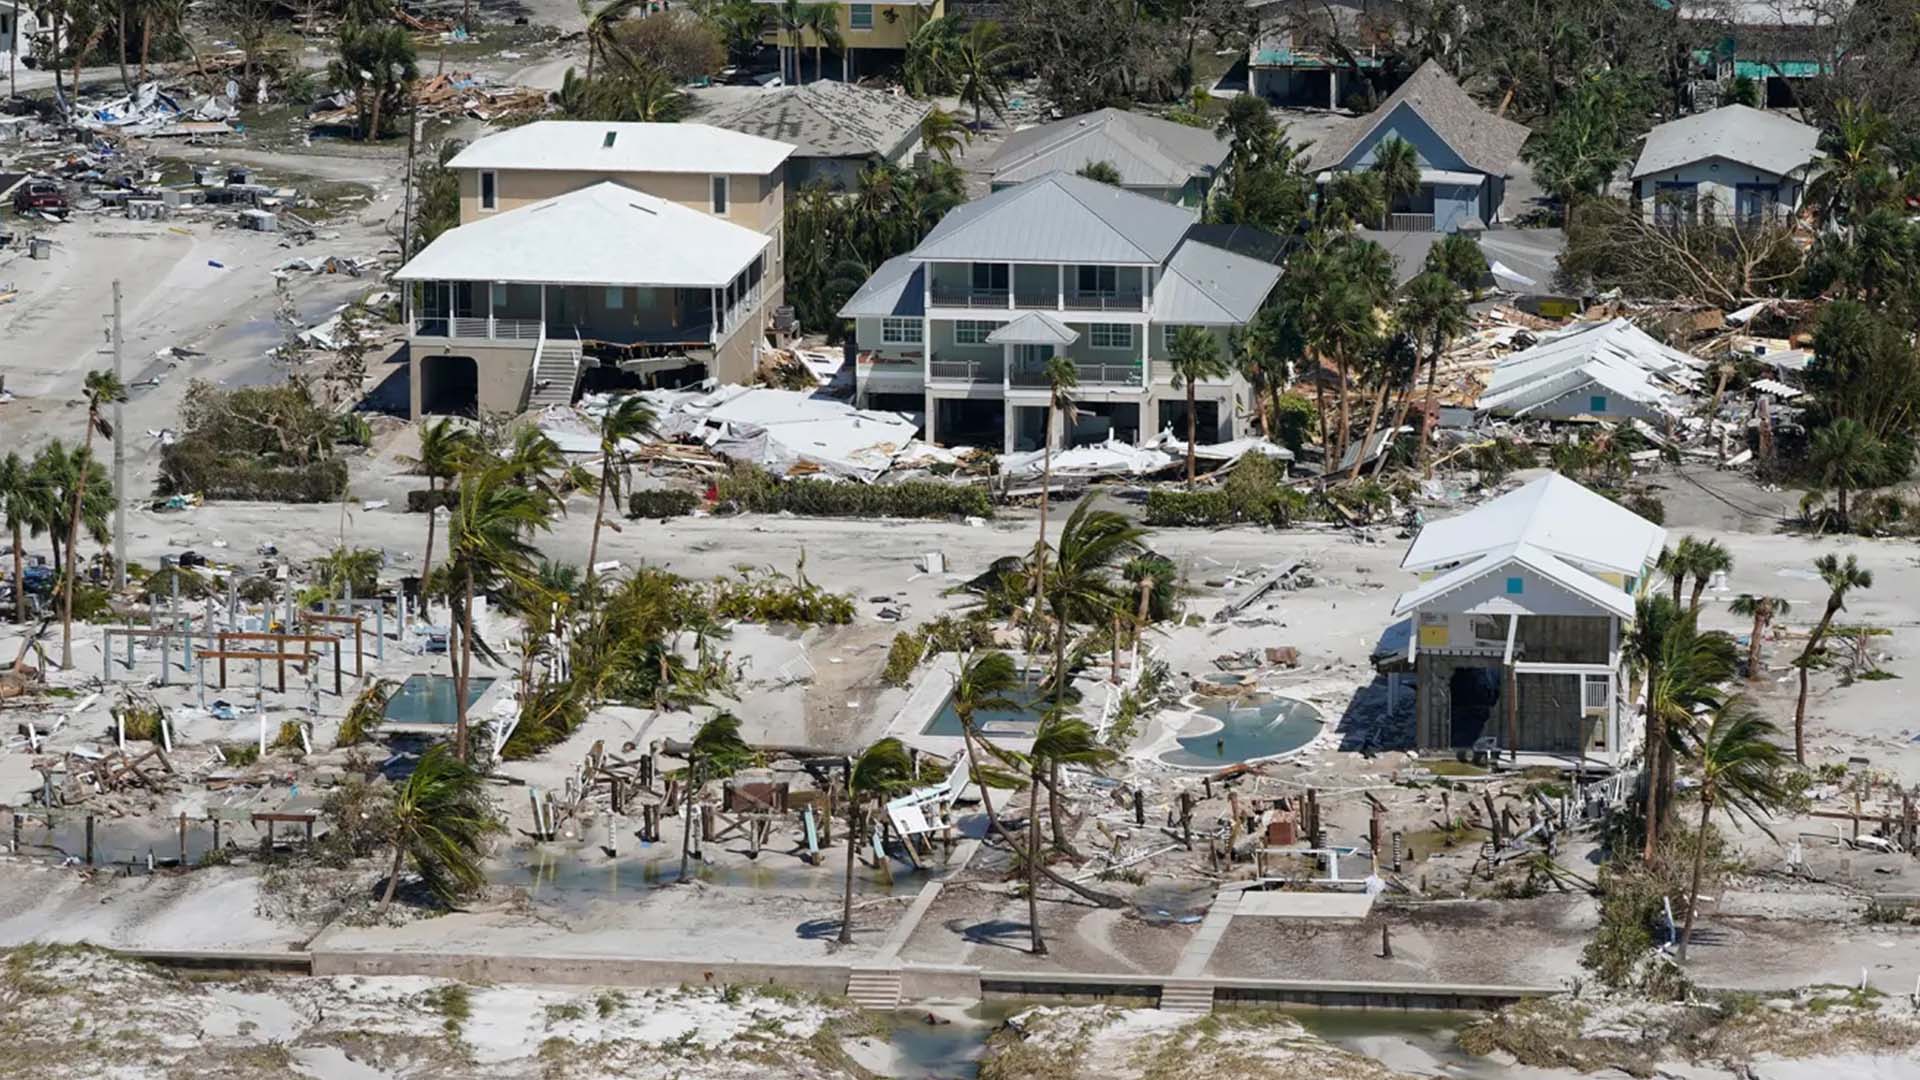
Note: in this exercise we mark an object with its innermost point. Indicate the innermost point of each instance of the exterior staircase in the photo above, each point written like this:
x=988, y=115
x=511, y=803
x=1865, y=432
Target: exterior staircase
x=876, y=987
x=556, y=372
x=1187, y=995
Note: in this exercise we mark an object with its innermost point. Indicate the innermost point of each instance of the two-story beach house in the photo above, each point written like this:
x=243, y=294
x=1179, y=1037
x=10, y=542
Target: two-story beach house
x=649, y=247
x=866, y=38
x=1516, y=630
x=1465, y=153
x=964, y=325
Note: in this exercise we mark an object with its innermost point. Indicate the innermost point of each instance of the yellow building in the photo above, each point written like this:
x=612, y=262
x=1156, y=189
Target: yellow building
x=871, y=35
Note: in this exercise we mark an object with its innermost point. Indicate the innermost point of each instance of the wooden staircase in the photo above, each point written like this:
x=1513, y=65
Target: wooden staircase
x=556, y=372
x=874, y=987
x=1187, y=995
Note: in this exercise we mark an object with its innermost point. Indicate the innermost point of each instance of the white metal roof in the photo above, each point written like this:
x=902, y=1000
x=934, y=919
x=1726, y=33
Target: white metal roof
x=1059, y=218
x=1034, y=328
x=581, y=145
x=1615, y=354
x=607, y=234
x=1542, y=562
x=1210, y=286
x=1553, y=514
x=1741, y=134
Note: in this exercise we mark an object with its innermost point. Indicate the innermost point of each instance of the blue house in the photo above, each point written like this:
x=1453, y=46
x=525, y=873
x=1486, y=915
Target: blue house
x=1466, y=153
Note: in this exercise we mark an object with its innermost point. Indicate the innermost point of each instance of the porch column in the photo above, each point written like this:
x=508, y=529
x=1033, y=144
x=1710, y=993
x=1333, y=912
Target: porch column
x=1009, y=286
x=453, y=330
x=1512, y=691
x=543, y=310
x=1333, y=88
x=493, y=331
x=1060, y=287
x=933, y=410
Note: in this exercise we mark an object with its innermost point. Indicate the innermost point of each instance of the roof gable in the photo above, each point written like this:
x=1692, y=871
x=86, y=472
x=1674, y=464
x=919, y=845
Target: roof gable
x=1483, y=142
x=1736, y=133
x=1553, y=514
x=1548, y=585
x=1147, y=151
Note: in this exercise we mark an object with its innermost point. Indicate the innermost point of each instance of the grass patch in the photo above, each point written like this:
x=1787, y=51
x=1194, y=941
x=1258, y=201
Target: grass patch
x=453, y=1001
x=1456, y=767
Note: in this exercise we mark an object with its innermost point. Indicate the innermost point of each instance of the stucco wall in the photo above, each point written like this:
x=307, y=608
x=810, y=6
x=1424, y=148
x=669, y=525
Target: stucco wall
x=1719, y=179
x=755, y=202
x=892, y=26
x=503, y=371
x=1592, y=399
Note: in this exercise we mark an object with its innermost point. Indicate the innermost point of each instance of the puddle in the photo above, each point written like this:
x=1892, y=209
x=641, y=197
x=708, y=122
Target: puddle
x=430, y=699
x=946, y=1051
x=120, y=842
x=1256, y=726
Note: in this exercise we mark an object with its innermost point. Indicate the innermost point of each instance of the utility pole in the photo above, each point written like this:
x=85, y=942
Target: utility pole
x=119, y=453
x=406, y=210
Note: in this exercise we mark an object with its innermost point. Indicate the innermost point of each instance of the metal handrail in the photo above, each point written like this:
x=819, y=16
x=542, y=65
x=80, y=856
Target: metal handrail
x=1104, y=301
x=972, y=298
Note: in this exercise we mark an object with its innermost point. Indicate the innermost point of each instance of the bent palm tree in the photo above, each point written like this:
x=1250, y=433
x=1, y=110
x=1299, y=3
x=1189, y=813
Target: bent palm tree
x=882, y=771
x=623, y=423
x=1841, y=579
x=1682, y=666
x=23, y=498
x=717, y=750
x=1062, y=378
x=1764, y=610
x=444, y=447
x=1740, y=769
x=978, y=61
x=1433, y=312
x=441, y=815
x=983, y=680
x=943, y=133
x=101, y=388
x=1193, y=355
x=1060, y=740
x=486, y=545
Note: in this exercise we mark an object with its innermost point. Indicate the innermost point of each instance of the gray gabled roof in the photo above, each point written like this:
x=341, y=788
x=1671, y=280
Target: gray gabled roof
x=1034, y=328
x=1209, y=286
x=826, y=119
x=1059, y=218
x=1484, y=141
x=1745, y=136
x=896, y=290
x=1146, y=150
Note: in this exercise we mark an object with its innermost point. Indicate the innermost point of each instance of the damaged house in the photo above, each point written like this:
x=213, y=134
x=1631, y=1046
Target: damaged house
x=963, y=326
x=1516, y=627
x=1610, y=370
x=646, y=247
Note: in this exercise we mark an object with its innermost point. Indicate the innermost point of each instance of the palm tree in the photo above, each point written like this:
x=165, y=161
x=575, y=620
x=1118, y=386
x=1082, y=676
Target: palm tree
x=1854, y=172
x=1763, y=609
x=1340, y=324
x=1677, y=562
x=1709, y=558
x=983, y=680
x=1397, y=164
x=942, y=133
x=1458, y=258
x=625, y=422
x=101, y=388
x=717, y=750
x=23, y=498
x=1059, y=740
x=1433, y=312
x=444, y=447
x=823, y=22
x=441, y=815
x=55, y=477
x=1194, y=354
x=740, y=24
x=486, y=545
x=377, y=63
x=925, y=69
x=1739, y=768
x=1681, y=666
x=599, y=26
x=1841, y=578
x=1264, y=351
x=1846, y=457
x=882, y=771
x=978, y=63
x=1062, y=377
x=790, y=17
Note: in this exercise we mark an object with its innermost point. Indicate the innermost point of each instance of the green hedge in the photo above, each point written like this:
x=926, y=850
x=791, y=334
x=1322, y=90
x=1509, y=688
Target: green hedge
x=1166, y=507
x=1254, y=493
x=662, y=504
x=195, y=467
x=758, y=492
x=419, y=499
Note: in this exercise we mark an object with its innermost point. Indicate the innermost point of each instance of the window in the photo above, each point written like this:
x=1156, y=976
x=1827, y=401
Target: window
x=971, y=332
x=1675, y=203
x=1516, y=586
x=720, y=194
x=1103, y=280
x=489, y=191
x=1597, y=403
x=990, y=277
x=860, y=16
x=497, y=294
x=1110, y=336
x=616, y=298
x=899, y=331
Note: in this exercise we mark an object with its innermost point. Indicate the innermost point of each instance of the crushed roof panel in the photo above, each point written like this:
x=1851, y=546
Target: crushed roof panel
x=826, y=119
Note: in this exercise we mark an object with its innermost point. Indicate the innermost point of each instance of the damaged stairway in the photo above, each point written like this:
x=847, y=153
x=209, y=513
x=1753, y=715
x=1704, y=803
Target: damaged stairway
x=875, y=987
x=1187, y=995
x=556, y=372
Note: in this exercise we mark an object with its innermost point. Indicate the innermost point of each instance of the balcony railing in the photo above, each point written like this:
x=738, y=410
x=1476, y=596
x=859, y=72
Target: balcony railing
x=1410, y=222
x=1115, y=301
x=479, y=328
x=1088, y=374
x=967, y=371
x=970, y=297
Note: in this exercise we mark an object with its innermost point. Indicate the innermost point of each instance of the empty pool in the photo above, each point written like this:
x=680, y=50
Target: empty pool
x=429, y=699
x=1018, y=723
x=1257, y=726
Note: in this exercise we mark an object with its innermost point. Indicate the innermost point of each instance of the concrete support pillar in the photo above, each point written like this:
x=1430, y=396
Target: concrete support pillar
x=1333, y=88
x=1009, y=424
x=1060, y=287
x=933, y=412
x=492, y=332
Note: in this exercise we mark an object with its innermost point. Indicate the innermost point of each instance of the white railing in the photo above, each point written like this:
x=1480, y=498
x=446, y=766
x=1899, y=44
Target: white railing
x=477, y=327
x=1410, y=222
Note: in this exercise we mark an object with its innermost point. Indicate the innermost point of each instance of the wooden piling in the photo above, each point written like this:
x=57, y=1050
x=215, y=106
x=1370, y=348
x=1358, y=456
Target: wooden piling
x=89, y=839
x=183, y=839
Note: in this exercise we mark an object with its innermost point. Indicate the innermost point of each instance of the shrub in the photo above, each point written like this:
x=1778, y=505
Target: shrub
x=420, y=500
x=949, y=633
x=903, y=656
x=662, y=504
x=754, y=490
x=1254, y=493
x=272, y=443
x=199, y=467
x=775, y=599
x=1169, y=508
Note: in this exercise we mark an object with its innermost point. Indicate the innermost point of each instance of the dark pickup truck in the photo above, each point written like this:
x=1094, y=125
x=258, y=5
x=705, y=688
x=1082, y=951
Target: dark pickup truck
x=40, y=195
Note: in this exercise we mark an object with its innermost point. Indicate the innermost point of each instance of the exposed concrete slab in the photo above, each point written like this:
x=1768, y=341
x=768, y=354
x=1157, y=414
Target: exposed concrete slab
x=1304, y=905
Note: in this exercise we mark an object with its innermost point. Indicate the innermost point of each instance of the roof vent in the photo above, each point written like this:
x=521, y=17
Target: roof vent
x=607, y=143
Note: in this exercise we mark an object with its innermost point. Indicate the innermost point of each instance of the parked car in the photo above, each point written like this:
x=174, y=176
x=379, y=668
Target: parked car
x=42, y=196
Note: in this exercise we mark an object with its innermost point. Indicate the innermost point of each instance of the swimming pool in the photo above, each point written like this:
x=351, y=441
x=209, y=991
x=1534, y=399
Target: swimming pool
x=429, y=699
x=1016, y=723
x=1255, y=726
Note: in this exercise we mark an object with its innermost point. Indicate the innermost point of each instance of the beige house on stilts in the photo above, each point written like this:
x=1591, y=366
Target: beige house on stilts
x=645, y=248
